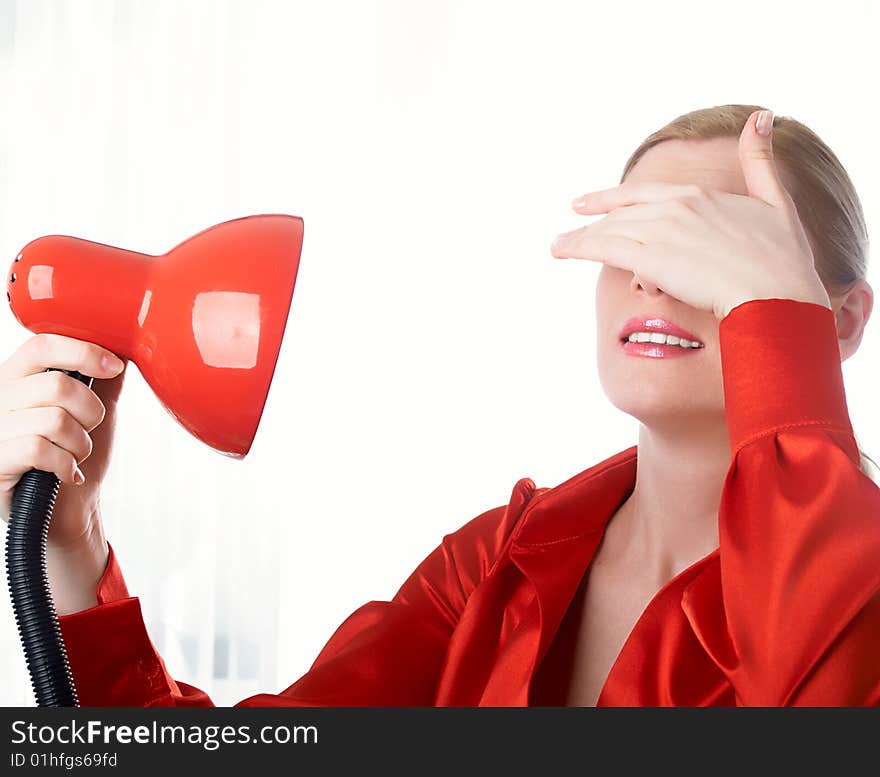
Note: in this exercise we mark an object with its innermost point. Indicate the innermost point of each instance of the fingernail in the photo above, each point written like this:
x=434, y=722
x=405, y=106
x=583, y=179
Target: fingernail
x=764, y=122
x=78, y=477
x=580, y=202
x=111, y=363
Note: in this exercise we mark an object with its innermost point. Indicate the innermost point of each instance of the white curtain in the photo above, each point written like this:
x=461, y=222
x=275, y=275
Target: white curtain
x=436, y=352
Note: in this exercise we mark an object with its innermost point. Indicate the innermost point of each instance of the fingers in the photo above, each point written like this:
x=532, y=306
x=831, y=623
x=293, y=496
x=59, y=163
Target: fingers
x=44, y=351
x=639, y=230
x=20, y=454
x=617, y=251
x=678, y=208
x=46, y=415
x=53, y=389
x=54, y=424
x=634, y=193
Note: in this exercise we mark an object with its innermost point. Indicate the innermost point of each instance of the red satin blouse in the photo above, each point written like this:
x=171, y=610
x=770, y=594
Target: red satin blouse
x=786, y=611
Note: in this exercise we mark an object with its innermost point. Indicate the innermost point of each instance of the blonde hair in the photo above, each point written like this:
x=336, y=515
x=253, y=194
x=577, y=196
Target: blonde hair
x=823, y=193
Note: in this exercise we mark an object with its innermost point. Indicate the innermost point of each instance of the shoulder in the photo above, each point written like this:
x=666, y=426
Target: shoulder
x=466, y=556
x=478, y=544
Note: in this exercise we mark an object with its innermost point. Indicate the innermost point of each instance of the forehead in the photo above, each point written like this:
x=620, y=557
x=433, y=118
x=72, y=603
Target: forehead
x=711, y=163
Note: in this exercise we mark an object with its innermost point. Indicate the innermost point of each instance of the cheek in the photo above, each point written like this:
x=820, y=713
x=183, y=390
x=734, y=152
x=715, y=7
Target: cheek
x=613, y=279
x=612, y=286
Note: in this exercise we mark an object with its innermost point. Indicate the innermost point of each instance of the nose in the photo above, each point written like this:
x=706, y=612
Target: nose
x=649, y=288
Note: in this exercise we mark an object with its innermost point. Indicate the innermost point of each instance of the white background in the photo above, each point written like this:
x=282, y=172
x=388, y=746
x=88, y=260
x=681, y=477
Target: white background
x=436, y=352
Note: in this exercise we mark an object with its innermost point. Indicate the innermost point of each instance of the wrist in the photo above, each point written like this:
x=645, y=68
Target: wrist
x=817, y=296
x=781, y=368
x=75, y=570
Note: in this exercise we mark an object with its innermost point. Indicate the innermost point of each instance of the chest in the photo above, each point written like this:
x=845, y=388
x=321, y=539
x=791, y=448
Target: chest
x=602, y=616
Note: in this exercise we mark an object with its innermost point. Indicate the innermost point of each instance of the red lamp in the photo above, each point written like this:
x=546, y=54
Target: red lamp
x=204, y=325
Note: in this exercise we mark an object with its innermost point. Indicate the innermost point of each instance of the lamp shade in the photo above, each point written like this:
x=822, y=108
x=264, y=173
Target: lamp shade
x=203, y=322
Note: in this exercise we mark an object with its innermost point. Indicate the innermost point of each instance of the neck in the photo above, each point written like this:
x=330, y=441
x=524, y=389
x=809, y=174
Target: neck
x=671, y=518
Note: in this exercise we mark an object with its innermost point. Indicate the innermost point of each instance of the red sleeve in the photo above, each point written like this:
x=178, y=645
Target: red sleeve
x=386, y=653
x=799, y=522
x=113, y=661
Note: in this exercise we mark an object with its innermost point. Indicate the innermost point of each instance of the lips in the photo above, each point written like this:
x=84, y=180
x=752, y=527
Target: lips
x=654, y=324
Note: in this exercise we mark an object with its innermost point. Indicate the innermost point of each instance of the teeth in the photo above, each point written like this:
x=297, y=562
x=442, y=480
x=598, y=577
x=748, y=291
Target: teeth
x=659, y=337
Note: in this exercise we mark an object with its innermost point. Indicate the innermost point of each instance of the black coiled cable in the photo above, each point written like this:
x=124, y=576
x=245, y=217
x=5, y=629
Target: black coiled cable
x=32, y=503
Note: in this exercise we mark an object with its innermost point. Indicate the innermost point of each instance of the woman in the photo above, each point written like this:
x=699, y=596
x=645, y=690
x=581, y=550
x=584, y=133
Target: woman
x=737, y=564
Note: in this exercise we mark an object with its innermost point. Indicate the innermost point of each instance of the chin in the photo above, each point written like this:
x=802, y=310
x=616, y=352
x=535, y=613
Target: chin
x=658, y=404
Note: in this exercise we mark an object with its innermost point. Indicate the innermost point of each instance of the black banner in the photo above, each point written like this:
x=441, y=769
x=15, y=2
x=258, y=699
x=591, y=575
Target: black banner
x=416, y=740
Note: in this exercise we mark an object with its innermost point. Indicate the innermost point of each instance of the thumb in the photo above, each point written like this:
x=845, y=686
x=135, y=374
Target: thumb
x=108, y=389
x=95, y=466
x=756, y=158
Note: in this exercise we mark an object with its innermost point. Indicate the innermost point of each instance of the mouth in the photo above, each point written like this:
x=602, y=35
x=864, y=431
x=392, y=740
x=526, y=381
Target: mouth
x=658, y=338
